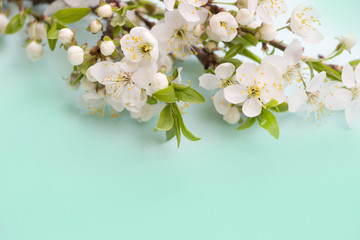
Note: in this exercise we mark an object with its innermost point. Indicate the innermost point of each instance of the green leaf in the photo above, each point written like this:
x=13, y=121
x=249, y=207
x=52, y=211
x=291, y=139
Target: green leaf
x=84, y=66
x=268, y=121
x=272, y=103
x=175, y=73
x=247, y=124
x=236, y=49
x=284, y=107
x=330, y=72
x=71, y=15
x=170, y=133
x=184, y=130
x=166, y=119
x=180, y=87
x=121, y=11
x=166, y=95
x=151, y=101
x=52, y=44
x=176, y=123
x=236, y=62
x=53, y=33
x=118, y=20
x=189, y=95
x=251, y=39
x=354, y=63
x=16, y=23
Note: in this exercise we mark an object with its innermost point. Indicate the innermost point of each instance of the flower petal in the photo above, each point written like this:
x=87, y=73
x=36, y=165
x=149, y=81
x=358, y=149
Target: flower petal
x=293, y=53
x=221, y=105
x=169, y=4
x=188, y=12
x=224, y=71
x=297, y=100
x=236, y=93
x=315, y=83
x=347, y=76
x=252, y=107
x=104, y=72
x=352, y=113
x=209, y=81
x=245, y=74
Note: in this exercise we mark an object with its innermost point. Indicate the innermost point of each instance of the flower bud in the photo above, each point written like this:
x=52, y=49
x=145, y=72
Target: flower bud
x=349, y=40
x=232, y=116
x=76, y=55
x=244, y=17
x=66, y=36
x=105, y=11
x=165, y=62
x=3, y=23
x=37, y=31
x=35, y=51
x=107, y=48
x=159, y=82
x=198, y=30
x=95, y=26
x=210, y=46
x=267, y=32
x=88, y=85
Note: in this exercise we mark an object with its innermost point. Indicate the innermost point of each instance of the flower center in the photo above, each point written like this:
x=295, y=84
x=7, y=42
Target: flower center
x=308, y=19
x=254, y=91
x=180, y=34
x=145, y=48
x=355, y=92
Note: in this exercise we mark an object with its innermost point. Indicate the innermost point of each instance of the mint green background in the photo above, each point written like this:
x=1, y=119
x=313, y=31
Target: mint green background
x=65, y=175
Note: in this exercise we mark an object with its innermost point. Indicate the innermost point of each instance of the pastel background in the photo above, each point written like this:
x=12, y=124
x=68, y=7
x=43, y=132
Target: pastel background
x=65, y=175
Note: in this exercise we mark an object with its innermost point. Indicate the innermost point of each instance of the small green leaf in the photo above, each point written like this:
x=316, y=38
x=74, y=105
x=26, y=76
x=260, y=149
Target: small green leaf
x=118, y=20
x=247, y=124
x=268, y=121
x=52, y=44
x=189, y=95
x=284, y=107
x=71, y=15
x=121, y=11
x=53, y=33
x=170, y=133
x=184, y=130
x=236, y=49
x=151, y=101
x=16, y=23
x=272, y=103
x=166, y=119
x=236, y=62
x=175, y=73
x=354, y=63
x=251, y=39
x=180, y=87
x=330, y=72
x=166, y=95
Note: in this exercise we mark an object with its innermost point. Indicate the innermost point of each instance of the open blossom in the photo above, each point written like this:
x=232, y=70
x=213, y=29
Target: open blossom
x=288, y=65
x=175, y=34
x=304, y=23
x=187, y=8
x=224, y=77
x=100, y=102
x=126, y=82
x=255, y=86
x=346, y=95
x=310, y=99
x=140, y=44
x=267, y=9
x=223, y=26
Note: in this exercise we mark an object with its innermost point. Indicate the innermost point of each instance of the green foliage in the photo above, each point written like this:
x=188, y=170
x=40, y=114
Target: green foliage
x=52, y=36
x=166, y=95
x=16, y=23
x=189, y=95
x=234, y=50
x=166, y=119
x=330, y=72
x=247, y=123
x=268, y=121
x=71, y=15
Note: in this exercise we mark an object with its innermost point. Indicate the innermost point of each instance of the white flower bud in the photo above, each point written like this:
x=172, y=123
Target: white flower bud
x=210, y=46
x=244, y=17
x=88, y=85
x=76, y=55
x=267, y=32
x=37, y=31
x=66, y=36
x=198, y=30
x=232, y=116
x=95, y=26
x=107, y=48
x=105, y=11
x=3, y=23
x=349, y=40
x=159, y=82
x=35, y=51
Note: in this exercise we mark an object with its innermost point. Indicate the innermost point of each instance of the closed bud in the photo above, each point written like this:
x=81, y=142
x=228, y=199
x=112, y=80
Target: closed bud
x=3, y=23
x=107, y=48
x=76, y=55
x=66, y=36
x=37, y=31
x=211, y=46
x=105, y=11
x=232, y=116
x=198, y=30
x=244, y=17
x=35, y=51
x=349, y=40
x=267, y=32
x=159, y=82
x=95, y=26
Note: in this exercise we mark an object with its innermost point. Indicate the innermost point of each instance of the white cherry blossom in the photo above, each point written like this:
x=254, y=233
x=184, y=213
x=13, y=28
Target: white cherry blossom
x=223, y=26
x=304, y=23
x=187, y=8
x=140, y=45
x=255, y=86
x=267, y=9
x=175, y=34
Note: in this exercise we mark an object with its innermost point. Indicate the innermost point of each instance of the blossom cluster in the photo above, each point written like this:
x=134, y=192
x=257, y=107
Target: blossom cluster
x=131, y=67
